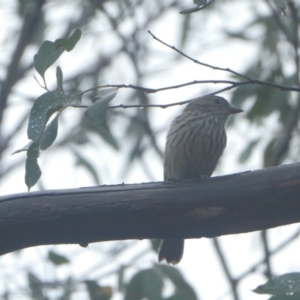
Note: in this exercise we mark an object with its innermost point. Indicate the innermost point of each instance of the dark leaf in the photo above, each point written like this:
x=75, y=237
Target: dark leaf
x=33, y=171
x=57, y=259
x=41, y=111
x=201, y=4
x=146, y=284
x=104, y=134
x=184, y=29
x=182, y=289
x=96, y=113
x=72, y=99
x=35, y=285
x=155, y=244
x=25, y=148
x=59, y=80
x=286, y=297
x=97, y=292
x=287, y=284
x=49, y=134
x=44, y=107
x=190, y=10
x=49, y=52
x=46, y=56
x=108, y=138
x=69, y=43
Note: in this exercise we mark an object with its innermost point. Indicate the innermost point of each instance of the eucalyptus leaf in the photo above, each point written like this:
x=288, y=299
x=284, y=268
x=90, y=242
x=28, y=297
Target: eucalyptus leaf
x=286, y=297
x=69, y=43
x=146, y=284
x=96, y=113
x=287, y=284
x=44, y=107
x=97, y=292
x=104, y=134
x=49, y=52
x=41, y=111
x=35, y=285
x=71, y=99
x=46, y=56
x=59, y=80
x=57, y=259
x=201, y=4
x=183, y=289
x=25, y=148
x=190, y=10
x=49, y=134
x=33, y=171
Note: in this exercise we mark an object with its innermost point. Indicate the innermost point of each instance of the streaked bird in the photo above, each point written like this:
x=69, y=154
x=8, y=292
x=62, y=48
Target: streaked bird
x=195, y=142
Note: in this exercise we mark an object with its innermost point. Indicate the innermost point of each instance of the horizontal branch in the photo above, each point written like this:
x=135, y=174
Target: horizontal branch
x=212, y=207
x=232, y=84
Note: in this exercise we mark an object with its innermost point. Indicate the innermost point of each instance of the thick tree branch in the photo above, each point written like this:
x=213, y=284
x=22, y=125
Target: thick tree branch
x=230, y=204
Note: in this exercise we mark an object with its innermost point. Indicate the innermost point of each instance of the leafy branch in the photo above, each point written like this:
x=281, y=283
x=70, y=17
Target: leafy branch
x=42, y=133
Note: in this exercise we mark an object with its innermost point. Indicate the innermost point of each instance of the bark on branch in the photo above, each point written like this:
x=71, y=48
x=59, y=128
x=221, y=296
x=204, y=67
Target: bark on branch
x=212, y=207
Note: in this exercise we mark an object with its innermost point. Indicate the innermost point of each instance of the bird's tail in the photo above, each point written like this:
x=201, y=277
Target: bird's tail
x=171, y=250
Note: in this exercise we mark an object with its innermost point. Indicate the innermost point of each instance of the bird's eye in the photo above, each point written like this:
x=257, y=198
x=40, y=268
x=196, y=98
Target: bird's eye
x=217, y=101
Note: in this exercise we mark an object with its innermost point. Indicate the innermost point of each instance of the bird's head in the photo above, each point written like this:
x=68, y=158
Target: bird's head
x=214, y=106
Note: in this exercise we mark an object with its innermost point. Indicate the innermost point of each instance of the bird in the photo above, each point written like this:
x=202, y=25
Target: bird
x=195, y=142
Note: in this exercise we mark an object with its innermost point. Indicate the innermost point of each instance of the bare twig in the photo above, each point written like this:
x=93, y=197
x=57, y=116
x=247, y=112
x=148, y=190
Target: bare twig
x=232, y=85
x=195, y=60
x=43, y=87
x=276, y=250
x=264, y=236
x=152, y=91
x=233, y=282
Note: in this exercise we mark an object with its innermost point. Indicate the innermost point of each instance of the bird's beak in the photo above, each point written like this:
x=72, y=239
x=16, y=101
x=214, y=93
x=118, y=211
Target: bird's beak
x=234, y=110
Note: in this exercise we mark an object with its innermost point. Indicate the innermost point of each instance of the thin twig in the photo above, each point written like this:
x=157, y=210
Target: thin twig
x=232, y=85
x=43, y=87
x=264, y=236
x=196, y=61
x=263, y=260
x=233, y=282
x=152, y=91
